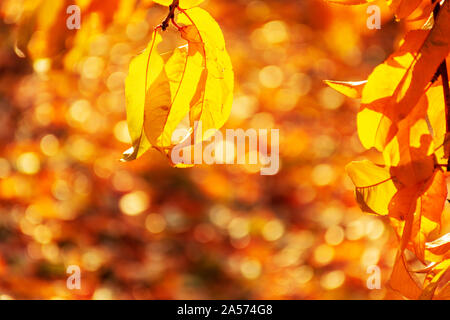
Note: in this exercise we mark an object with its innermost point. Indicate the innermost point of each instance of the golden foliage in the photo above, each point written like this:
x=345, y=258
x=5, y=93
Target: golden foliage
x=402, y=109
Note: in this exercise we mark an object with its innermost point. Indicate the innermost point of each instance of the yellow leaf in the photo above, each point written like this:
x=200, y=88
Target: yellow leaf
x=421, y=207
x=194, y=84
x=436, y=102
x=410, y=152
x=433, y=279
x=184, y=71
x=213, y=99
x=351, y=89
x=374, y=186
x=395, y=87
x=427, y=217
x=144, y=70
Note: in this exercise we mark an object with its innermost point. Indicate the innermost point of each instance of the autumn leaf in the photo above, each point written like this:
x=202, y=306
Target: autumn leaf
x=427, y=216
x=374, y=186
x=433, y=279
x=351, y=89
x=439, y=246
x=410, y=152
x=444, y=293
x=402, y=280
x=395, y=87
x=419, y=206
x=213, y=99
x=139, y=80
x=403, y=8
x=435, y=109
x=194, y=84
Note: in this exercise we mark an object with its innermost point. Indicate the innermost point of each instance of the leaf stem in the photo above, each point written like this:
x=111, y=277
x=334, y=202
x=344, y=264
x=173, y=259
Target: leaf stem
x=170, y=16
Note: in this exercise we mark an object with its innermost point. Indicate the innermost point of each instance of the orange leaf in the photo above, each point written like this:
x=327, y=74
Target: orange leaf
x=395, y=87
x=403, y=8
x=402, y=280
x=351, y=89
x=439, y=246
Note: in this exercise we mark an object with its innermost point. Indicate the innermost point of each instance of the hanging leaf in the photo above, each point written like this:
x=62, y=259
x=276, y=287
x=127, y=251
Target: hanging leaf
x=427, y=216
x=213, y=99
x=433, y=279
x=194, y=84
x=374, y=186
x=410, y=152
x=395, y=87
x=143, y=72
x=351, y=89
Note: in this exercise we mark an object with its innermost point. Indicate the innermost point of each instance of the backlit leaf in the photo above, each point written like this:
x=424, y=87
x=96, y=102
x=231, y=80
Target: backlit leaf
x=374, y=186
x=433, y=279
x=193, y=84
x=439, y=246
x=396, y=86
x=351, y=89
x=403, y=8
x=410, y=152
x=402, y=280
x=213, y=99
x=144, y=70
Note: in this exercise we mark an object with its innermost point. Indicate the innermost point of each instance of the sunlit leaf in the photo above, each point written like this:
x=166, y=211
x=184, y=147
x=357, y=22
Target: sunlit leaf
x=374, y=186
x=433, y=279
x=351, y=89
x=429, y=210
x=144, y=70
x=194, y=84
x=402, y=280
x=410, y=152
x=395, y=87
x=403, y=8
x=439, y=246
x=211, y=104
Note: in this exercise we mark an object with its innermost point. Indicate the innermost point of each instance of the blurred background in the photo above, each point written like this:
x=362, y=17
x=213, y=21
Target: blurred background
x=145, y=230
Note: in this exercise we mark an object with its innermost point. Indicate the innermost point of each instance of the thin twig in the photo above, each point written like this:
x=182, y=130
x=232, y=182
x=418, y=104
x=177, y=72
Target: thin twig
x=171, y=15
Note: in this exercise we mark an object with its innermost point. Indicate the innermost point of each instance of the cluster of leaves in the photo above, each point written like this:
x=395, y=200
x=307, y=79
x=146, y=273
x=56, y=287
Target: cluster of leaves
x=145, y=230
x=404, y=114
x=195, y=84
